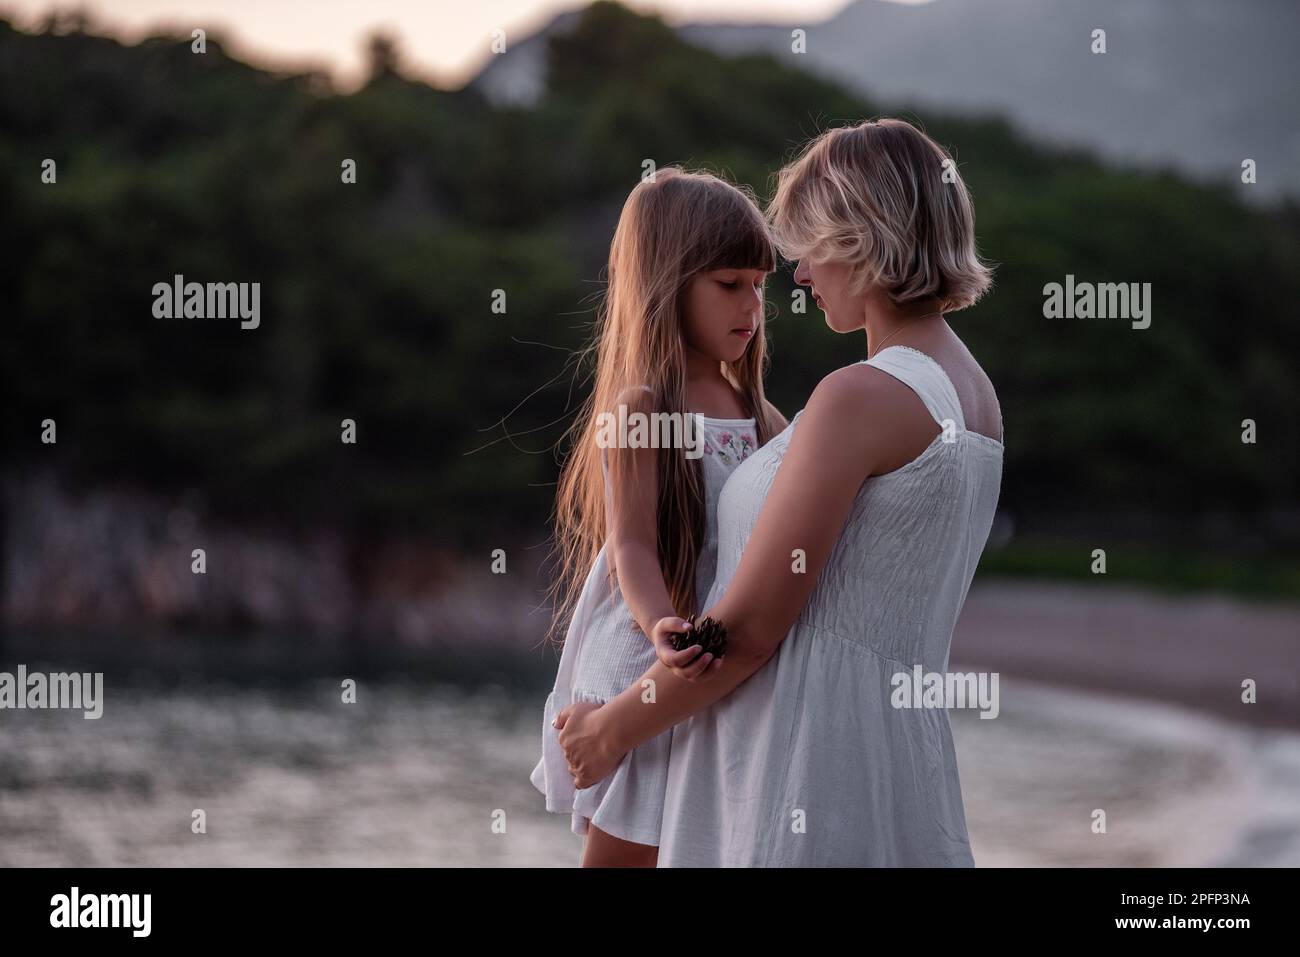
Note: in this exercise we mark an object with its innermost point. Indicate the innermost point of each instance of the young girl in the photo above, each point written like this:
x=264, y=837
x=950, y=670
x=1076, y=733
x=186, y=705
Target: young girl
x=680, y=331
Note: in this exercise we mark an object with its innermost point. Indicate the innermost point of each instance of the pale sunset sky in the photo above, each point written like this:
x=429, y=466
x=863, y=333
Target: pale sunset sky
x=443, y=41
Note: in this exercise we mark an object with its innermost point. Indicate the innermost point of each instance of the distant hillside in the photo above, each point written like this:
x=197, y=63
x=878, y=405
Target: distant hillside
x=377, y=297
x=1195, y=85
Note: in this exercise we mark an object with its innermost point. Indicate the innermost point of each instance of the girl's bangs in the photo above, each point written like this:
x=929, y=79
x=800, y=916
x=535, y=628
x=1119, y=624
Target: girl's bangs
x=741, y=242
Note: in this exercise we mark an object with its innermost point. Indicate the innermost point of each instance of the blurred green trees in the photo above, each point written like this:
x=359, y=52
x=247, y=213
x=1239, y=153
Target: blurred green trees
x=376, y=297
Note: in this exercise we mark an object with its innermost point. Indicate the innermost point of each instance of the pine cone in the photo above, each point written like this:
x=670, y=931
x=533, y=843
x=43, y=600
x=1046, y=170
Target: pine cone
x=710, y=634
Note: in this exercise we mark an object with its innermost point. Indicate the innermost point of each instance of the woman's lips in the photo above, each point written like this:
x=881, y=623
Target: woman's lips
x=742, y=332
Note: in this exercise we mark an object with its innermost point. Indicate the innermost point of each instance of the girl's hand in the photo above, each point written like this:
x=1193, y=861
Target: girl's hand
x=684, y=664
x=590, y=757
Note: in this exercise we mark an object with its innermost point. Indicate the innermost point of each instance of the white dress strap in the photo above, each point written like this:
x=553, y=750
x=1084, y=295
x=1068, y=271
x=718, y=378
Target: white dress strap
x=924, y=376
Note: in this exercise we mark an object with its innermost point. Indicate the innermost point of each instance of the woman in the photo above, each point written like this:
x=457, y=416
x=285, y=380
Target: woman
x=845, y=548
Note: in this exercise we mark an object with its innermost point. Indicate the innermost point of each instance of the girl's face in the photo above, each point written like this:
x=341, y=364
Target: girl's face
x=721, y=312
x=829, y=282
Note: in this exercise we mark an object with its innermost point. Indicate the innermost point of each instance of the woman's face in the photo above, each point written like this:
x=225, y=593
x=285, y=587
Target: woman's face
x=829, y=282
x=721, y=312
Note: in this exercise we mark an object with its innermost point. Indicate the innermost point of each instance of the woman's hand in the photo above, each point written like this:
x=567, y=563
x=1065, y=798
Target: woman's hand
x=591, y=758
x=684, y=664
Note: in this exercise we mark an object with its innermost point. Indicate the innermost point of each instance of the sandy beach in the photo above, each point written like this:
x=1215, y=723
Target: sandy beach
x=1116, y=700
x=1190, y=650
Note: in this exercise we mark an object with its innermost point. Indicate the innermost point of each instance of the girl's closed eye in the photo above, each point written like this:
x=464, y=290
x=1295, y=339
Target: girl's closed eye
x=733, y=283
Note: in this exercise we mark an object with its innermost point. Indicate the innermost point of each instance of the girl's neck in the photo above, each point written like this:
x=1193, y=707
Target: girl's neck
x=702, y=370
x=709, y=392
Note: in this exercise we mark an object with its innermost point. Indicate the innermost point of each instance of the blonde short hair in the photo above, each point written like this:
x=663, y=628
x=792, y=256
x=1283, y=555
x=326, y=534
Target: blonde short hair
x=885, y=198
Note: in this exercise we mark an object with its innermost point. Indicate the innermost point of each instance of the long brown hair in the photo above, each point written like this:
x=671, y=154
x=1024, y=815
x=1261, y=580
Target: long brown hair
x=672, y=227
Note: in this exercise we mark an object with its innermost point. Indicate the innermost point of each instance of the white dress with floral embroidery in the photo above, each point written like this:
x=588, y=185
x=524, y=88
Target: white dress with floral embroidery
x=605, y=652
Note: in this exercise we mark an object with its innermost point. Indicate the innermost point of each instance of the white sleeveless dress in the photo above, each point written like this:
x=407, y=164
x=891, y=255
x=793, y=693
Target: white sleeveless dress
x=807, y=764
x=605, y=652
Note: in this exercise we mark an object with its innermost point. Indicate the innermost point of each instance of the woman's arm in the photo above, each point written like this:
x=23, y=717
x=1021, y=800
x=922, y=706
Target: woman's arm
x=859, y=422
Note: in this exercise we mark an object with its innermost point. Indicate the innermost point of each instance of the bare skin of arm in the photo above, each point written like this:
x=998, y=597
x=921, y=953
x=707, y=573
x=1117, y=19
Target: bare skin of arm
x=832, y=452
x=631, y=509
x=633, y=546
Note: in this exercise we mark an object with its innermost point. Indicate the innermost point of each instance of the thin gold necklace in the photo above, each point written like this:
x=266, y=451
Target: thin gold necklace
x=871, y=354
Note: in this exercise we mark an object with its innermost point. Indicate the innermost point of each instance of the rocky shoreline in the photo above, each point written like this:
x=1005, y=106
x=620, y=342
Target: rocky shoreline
x=118, y=560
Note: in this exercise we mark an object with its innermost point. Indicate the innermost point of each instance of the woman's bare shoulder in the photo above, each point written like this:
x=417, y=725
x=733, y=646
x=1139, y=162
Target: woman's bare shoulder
x=878, y=420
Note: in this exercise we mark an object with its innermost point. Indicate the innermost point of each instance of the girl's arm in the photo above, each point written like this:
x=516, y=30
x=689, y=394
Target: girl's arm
x=631, y=509
x=832, y=452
